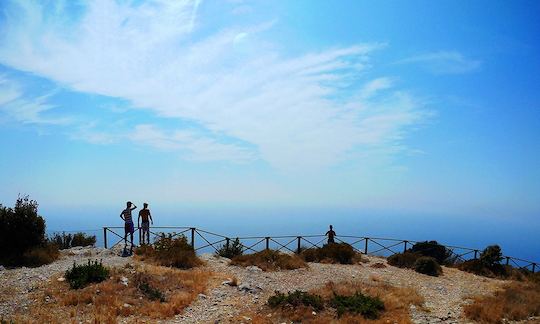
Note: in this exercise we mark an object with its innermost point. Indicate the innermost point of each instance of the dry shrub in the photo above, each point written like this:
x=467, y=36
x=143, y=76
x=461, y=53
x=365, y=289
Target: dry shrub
x=516, y=301
x=270, y=260
x=40, y=255
x=170, y=251
x=378, y=265
x=332, y=253
x=110, y=300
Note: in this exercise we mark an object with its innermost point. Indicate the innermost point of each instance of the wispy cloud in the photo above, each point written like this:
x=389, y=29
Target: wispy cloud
x=26, y=109
x=444, y=62
x=149, y=54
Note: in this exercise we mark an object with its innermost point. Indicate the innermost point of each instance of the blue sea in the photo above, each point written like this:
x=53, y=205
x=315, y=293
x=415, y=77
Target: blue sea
x=518, y=237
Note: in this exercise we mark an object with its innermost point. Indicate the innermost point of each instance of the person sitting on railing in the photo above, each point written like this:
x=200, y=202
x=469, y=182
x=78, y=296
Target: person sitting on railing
x=146, y=218
x=331, y=234
x=128, y=224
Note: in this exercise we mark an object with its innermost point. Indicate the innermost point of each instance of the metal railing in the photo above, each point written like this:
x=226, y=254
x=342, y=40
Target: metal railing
x=202, y=241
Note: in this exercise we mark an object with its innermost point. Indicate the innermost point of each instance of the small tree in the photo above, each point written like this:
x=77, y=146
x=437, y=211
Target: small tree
x=491, y=256
x=231, y=250
x=21, y=229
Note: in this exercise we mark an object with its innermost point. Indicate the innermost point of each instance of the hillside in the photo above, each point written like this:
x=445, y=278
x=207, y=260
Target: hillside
x=26, y=291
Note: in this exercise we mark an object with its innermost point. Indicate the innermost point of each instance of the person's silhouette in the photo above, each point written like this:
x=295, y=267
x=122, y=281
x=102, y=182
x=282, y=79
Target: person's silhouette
x=128, y=224
x=331, y=234
x=146, y=219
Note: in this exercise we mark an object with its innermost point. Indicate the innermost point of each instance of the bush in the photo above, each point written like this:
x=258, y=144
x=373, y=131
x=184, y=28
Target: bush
x=81, y=275
x=21, y=229
x=403, y=260
x=269, y=260
x=171, y=251
x=432, y=249
x=231, y=250
x=295, y=299
x=40, y=255
x=428, y=266
x=334, y=252
x=367, y=306
x=66, y=241
x=491, y=256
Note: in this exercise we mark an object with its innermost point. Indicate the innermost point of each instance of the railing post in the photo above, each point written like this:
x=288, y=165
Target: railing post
x=227, y=240
x=405, y=246
x=298, y=250
x=366, y=246
x=507, y=260
x=533, y=267
x=475, y=254
x=267, y=243
x=105, y=237
x=139, y=230
x=193, y=237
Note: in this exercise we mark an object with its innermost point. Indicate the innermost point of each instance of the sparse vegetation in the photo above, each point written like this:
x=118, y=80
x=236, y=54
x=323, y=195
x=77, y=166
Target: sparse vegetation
x=270, y=260
x=171, y=251
x=84, y=274
x=295, y=299
x=428, y=266
x=231, y=250
x=22, y=235
x=142, y=280
x=352, y=302
x=516, y=301
x=66, y=241
x=331, y=253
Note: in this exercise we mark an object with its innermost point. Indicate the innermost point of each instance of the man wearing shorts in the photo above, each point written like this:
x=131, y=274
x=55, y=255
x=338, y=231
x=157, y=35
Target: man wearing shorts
x=128, y=223
x=146, y=219
x=331, y=234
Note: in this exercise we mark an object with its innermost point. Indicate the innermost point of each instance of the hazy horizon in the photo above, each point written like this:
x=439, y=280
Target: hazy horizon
x=390, y=109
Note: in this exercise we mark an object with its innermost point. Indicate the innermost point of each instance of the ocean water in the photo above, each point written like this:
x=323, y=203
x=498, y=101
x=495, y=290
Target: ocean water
x=516, y=236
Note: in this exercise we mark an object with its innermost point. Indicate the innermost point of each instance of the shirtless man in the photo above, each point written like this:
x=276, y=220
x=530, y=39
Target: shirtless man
x=128, y=223
x=145, y=215
x=331, y=234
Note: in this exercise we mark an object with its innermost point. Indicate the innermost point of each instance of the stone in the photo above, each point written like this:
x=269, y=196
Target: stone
x=61, y=279
x=2, y=268
x=202, y=296
x=253, y=269
x=124, y=281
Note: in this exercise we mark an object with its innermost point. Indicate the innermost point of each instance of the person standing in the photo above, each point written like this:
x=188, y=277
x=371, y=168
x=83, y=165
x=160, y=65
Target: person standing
x=146, y=217
x=128, y=224
x=331, y=234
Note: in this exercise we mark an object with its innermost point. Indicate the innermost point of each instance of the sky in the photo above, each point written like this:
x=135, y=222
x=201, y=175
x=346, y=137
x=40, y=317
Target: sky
x=425, y=107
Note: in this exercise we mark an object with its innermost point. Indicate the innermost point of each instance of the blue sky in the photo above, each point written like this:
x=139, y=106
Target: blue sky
x=400, y=106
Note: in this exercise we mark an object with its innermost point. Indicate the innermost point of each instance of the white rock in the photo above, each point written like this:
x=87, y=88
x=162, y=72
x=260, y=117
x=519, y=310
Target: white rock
x=246, y=318
x=202, y=296
x=61, y=279
x=2, y=268
x=127, y=305
x=313, y=313
x=253, y=269
x=124, y=281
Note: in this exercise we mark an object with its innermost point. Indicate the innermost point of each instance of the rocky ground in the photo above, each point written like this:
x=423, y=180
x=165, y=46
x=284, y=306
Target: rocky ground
x=222, y=303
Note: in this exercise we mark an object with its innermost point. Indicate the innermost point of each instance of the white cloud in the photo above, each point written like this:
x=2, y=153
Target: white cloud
x=445, y=62
x=27, y=110
x=150, y=55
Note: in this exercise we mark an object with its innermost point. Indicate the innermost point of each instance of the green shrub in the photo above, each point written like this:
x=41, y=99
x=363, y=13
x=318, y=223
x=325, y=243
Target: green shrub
x=21, y=229
x=428, y=266
x=434, y=250
x=81, y=275
x=403, y=260
x=367, y=306
x=491, y=256
x=335, y=252
x=231, y=250
x=151, y=292
x=295, y=299
x=66, y=241
x=171, y=251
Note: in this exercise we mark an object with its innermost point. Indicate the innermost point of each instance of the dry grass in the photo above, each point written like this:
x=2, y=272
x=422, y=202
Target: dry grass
x=397, y=302
x=270, y=260
x=378, y=265
x=516, y=301
x=111, y=300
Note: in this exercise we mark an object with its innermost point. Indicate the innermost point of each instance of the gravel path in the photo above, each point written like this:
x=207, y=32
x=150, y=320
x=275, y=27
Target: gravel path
x=17, y=284
x=444, y=295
